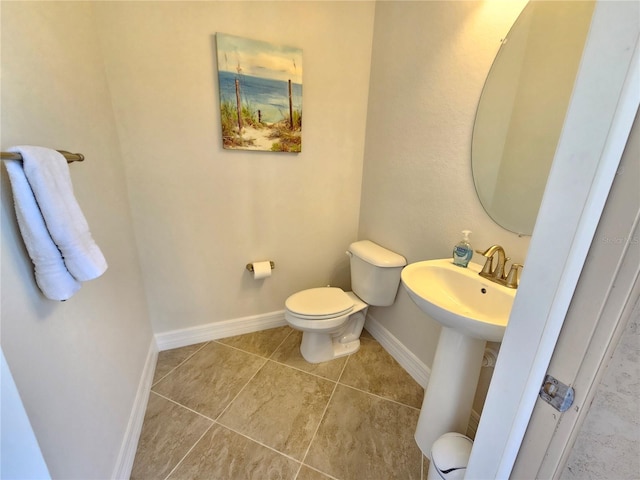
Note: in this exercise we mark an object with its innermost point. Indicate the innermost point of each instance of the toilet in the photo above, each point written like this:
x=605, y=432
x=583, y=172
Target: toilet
x=330, y=318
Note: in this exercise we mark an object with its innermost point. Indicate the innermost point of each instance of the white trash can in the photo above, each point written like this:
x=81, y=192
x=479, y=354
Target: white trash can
x=449, y=457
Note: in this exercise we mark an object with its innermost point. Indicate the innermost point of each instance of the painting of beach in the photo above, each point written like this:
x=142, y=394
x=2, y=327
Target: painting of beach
x=260, y=94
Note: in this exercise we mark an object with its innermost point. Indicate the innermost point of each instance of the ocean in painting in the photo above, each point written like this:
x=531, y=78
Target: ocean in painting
x=270, y=97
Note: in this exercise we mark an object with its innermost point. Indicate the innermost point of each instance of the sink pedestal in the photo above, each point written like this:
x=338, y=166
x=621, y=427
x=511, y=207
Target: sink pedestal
x=448, y=399
x=472, y=311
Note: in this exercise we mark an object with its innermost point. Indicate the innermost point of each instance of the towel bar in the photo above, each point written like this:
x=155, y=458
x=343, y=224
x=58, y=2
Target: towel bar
x=71, y=157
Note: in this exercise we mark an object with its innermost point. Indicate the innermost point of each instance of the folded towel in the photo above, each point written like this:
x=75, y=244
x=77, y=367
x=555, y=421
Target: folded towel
x=48, y=175
x=51, y=274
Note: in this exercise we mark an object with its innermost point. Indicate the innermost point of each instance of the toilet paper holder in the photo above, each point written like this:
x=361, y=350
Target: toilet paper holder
x=250, y=266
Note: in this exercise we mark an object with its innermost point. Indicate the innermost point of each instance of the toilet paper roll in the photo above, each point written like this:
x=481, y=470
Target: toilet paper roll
x=261, y=270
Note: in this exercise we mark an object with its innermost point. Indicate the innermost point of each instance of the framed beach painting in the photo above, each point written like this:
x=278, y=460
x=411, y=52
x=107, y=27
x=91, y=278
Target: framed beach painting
x=260, y=94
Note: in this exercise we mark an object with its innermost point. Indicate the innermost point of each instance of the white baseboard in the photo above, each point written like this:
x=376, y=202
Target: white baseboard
x=129, y=446
x=215, y=330
x=412, y=364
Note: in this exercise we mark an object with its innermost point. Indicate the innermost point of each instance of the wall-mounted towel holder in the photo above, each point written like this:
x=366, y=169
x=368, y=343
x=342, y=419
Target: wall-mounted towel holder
x=71, y=157
x=250, y=266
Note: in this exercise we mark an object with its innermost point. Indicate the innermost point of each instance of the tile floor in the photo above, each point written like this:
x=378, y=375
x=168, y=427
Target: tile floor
x=250, y=407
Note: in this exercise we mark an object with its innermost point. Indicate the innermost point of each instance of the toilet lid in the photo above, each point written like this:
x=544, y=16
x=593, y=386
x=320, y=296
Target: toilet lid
x=321, y=302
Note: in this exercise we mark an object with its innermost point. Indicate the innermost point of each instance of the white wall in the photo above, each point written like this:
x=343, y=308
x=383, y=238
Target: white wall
x=76, y=364
x=430, y=61
x=202, y=213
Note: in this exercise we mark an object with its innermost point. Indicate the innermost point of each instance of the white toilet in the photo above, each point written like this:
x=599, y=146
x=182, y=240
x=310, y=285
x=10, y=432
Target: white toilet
x=330, y=318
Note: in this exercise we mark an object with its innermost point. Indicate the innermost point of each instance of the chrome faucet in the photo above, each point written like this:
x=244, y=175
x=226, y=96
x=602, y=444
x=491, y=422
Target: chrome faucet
x=496, y=274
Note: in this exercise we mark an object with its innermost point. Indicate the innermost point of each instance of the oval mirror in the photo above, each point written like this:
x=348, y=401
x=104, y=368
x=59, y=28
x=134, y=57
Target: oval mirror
x=522, y=109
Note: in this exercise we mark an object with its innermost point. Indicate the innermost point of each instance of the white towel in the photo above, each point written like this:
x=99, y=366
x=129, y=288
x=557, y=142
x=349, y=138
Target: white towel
x=51, y=274
x=48, y=175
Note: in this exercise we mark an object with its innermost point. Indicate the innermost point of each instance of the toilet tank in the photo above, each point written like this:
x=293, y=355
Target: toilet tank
x=375, y=272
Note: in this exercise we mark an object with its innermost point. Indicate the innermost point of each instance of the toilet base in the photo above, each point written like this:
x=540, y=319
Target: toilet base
x=322, y=347
x=324, y=340
x=319, y=347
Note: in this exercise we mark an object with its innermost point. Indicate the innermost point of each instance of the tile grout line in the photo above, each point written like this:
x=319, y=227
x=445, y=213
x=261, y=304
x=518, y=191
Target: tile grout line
x=204, y=344
x=379, y=396
x=253, y=440
x=266, y=360
x=216, y=422
x=303, y=371
x=324, y=412
x=324, y=474
x=183, y=406
x=241, y=350
x=281, y=343
x=345, y=384
x=189, y=451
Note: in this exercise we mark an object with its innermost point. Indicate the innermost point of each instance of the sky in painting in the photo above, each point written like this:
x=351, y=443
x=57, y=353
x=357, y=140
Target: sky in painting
x=259, y=59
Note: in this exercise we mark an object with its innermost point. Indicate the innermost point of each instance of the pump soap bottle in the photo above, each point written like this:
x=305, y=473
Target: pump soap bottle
x=463, y=252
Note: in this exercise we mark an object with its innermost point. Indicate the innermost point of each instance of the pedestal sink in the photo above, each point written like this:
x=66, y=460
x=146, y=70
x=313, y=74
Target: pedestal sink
x=472, y=310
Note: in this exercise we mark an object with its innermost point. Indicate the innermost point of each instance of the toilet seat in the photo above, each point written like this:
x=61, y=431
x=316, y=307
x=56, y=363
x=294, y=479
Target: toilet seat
x=319, y=303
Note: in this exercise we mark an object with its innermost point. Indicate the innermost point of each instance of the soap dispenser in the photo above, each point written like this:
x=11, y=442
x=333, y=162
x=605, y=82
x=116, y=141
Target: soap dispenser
x=463, y=252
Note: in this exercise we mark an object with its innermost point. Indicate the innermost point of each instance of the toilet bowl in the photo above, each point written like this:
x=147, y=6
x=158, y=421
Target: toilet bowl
x=331, y=320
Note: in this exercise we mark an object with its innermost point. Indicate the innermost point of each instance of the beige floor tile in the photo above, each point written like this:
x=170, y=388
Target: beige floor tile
x=210, y=379
x=365, y=334
x=289, y=354
x=168, y=432
x=362, y=436
x=170, y=359
x=222, y=454
x=280, y=407
x=374, y=370
x=261, y=343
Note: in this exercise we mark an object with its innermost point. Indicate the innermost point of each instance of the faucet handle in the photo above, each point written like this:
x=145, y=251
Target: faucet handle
x=513, y=278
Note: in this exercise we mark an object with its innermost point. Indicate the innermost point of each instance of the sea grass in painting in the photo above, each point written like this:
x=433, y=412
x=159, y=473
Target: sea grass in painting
x=260, y=94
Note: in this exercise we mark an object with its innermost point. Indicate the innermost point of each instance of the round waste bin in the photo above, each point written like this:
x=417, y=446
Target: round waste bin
x=449, y=457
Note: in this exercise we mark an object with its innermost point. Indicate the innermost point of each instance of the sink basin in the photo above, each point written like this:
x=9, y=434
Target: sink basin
x=472, y=310
x=459, y=298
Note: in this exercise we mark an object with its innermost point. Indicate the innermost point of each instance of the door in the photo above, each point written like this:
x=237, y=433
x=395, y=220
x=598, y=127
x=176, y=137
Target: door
x=602, y=109
x=606, y=293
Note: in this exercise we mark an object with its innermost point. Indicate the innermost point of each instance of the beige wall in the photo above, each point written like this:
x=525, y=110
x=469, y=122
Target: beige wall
x=430, y=60
x=133, y=86
x=76, y=364
x=202, y=213
x=429, y=64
